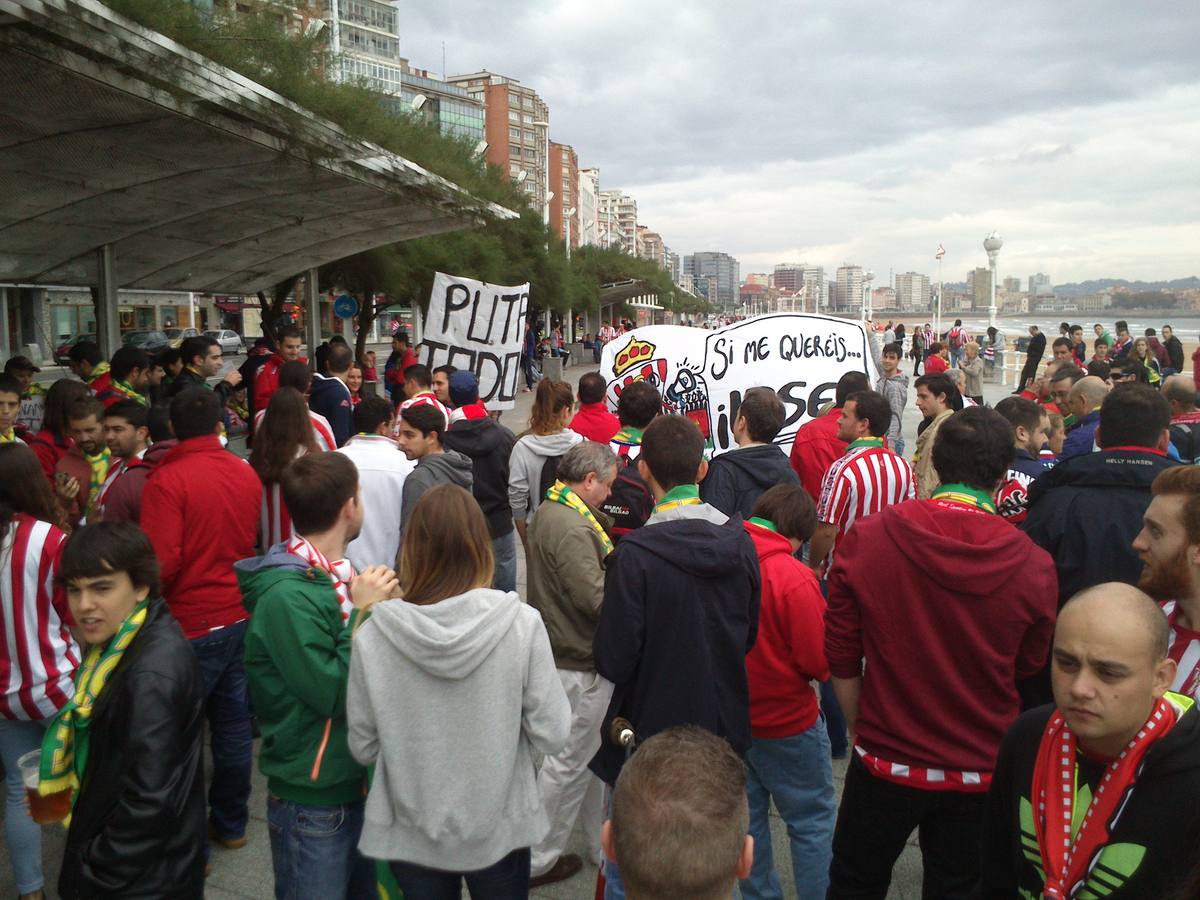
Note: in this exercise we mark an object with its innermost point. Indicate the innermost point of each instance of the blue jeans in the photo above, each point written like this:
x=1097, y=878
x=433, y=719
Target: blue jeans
x=835, y=722
x=507, y=879
x=314, y=851
x=504, y=570
x=21, y=833
x=227, y=704
x=796, y=773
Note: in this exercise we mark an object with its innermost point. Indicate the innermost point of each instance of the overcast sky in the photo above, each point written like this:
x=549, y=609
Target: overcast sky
x=870, y=132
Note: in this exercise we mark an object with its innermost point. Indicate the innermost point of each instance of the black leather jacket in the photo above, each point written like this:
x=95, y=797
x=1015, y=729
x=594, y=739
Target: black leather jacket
x=138, y=828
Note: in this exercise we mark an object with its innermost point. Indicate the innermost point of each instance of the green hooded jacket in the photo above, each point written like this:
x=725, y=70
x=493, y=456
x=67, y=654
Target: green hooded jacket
x=297, y=663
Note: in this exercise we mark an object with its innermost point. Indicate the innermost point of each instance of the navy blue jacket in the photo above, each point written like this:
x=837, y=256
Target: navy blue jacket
x=680, y=614
x=1082, y=437
x=737, y=478
x=1086, y=511
x=331, y=398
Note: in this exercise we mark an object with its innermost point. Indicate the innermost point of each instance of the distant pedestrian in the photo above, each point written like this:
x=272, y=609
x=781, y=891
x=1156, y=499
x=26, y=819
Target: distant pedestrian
x=330, y=395
x=593, y=419
x=534, y=460
x=266, y=379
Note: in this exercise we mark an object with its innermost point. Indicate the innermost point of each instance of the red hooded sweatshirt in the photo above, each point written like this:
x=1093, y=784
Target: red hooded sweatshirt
x=949, y=606
x=595, y=422
x=790, y=651
x=815, y=449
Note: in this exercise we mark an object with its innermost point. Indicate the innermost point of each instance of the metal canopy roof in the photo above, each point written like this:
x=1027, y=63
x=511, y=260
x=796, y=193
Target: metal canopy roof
x=197, y=177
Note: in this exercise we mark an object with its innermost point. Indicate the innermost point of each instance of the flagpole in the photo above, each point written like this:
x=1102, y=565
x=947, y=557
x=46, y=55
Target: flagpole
x=938, y=315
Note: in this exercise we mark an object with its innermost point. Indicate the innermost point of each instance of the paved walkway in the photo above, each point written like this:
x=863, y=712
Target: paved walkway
x=247, y=873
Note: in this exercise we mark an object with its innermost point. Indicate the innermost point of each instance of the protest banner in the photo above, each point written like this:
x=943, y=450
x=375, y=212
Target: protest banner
x=33, y=411
x=704, y=374
x=479, y=327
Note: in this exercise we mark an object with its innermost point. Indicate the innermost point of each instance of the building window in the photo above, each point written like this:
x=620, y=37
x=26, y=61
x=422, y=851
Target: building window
x=514, y=116
x=514, y=101
x=514, y=134
x=530, y=154
x=514, y=152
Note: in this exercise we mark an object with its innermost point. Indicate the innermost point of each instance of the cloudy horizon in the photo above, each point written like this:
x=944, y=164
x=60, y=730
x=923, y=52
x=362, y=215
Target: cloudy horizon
x=868, y=134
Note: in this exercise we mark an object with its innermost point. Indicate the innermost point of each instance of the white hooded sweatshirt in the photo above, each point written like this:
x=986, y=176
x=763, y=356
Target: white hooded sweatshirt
x=449, y=702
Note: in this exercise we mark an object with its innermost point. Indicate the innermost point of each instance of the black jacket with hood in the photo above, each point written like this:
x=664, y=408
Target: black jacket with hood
x=680, y=614
x=1151, y=850
x=736, y=479
x=138, y=827
x=1086, y=511
x=488, y=444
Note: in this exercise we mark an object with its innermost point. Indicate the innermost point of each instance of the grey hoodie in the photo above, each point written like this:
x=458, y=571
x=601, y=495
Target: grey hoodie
x=894, y=390
x=525, y=468
x=448, y=467
x=449, y=702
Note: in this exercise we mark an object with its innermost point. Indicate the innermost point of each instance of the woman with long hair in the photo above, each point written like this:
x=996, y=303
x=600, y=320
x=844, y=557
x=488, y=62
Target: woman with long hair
x=1141, y=352
x=42, y=655
x=452, y=691
x=284, y=434
x=53, y=441
x=534, y=459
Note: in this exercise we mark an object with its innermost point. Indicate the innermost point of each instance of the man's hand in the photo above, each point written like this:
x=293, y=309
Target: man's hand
x=67, y=487
x=372, y=585
x=234, y=377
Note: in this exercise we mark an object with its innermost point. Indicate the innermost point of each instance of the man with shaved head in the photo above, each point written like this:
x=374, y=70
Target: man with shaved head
x=1095, y=796
x=1083, y=401
x=1180, y=393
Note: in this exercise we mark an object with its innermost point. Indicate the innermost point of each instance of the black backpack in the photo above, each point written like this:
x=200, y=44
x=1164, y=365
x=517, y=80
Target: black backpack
x=630, y=502
x=1184, y=439
x=548, y=477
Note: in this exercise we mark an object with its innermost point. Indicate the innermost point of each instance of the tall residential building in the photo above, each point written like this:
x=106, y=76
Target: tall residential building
x=589, y=207
x=912, y=291
x=618, y=221
x=564, y=183
x=759, y=278
x=816, y=293
x=717, y=276
x=1012, y=285
x=516, y=127
x=673, y=265
x=652, y=247
x=979, y=287
x=365, y=36
x=447, y=106
x=1040, y=286
x=788, y=277
x=848, y=288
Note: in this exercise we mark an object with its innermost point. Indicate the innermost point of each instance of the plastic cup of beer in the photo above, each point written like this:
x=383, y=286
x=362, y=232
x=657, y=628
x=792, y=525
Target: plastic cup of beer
x=52, y=808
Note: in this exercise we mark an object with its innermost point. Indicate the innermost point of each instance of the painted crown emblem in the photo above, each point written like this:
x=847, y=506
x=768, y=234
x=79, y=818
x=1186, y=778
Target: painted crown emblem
x=631, y=354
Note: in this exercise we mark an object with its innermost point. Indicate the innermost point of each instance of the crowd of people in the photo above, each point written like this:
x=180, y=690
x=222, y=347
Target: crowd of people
x=1000, y=632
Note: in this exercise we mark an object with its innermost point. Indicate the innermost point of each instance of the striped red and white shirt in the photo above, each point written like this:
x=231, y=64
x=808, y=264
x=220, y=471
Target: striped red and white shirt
x=1183, y=646
x=321, y=429
x=425, y=398
x=923, y=778
x=862, y=482
x=275, y=524
x=40, y=656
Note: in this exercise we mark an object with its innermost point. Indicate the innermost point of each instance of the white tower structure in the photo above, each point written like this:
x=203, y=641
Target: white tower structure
x=992, y=244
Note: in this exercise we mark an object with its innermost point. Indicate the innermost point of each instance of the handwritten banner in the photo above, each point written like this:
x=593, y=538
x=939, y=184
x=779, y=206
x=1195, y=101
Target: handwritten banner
x=705, y=374
x=479, y=327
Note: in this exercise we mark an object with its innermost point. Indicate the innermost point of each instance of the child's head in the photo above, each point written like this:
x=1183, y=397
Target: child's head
x=10, y=402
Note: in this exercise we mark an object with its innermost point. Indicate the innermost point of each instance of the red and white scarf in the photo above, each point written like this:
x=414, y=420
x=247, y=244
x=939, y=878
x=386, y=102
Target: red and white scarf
x=341, y=571
x=471, y=411
x=1066, y=855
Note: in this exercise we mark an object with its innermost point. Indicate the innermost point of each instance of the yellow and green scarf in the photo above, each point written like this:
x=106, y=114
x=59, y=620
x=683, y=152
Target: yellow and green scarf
x=65, y=746
x=99, y=474
x=126, y=390
x=97, y=371
x=680, y=495
x=560, y=493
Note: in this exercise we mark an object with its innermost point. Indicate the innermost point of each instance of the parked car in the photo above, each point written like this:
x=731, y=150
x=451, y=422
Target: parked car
x=150, y=341
x=178, y=335
x=230, y=341
x=61, y=351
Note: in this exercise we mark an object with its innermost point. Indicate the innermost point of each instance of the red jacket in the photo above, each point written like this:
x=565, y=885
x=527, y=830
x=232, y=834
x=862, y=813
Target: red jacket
x=50, y=449
x=945, y=630
x=200, y=509
x=595, y=422
x=266, y=380
x=815, y=449
x=935, y=364
x=790, y=649
x=123, y=499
